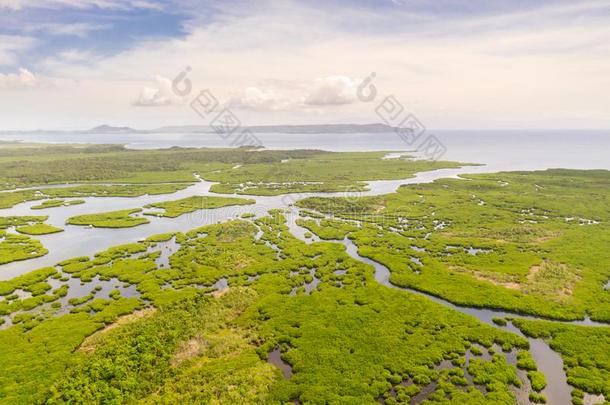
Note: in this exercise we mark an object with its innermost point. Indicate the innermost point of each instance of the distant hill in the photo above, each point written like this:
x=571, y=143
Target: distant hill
x=107, y=129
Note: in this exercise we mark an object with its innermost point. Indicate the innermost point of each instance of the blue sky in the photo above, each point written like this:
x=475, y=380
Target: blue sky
x=457, y=64
x=56, y=28
x=111, y=27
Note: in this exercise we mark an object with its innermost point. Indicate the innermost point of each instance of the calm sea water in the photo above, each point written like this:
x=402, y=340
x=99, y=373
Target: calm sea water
x=500, y=150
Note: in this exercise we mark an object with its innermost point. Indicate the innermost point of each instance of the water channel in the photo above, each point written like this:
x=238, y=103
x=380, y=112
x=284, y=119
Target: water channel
x=82, y=241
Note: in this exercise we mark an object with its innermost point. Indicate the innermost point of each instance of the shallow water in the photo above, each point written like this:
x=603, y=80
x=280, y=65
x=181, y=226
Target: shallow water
x=276, y=359
x=548, y=361
x=499, y=151
x=84, y=241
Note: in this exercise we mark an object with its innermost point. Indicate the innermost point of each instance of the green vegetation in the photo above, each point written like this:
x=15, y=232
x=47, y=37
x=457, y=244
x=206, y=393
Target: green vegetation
x=9, y=199
x=19, y=247
x=525, y=242
x=176, y=208
x=34, y=357
x=147, y=352
x=112, y=219
x=585, y=352
x=38, y=229
x=499, y=321
x=47, y=164
x=25, y=281
x=537, y=380
x=349, y=339
x=29, y=225
x=525, y=361
x=537, y=398
x=320, y=172
x=6, y=222
x=328, y=229
x=56, y=203
x=265, y=172
x=128, y=190
x=34, y=283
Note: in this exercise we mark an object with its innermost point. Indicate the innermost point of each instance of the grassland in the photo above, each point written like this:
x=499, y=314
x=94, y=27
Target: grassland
x=112, y=219
x=324, y=172
x=328, y=229
x=12, y=198
x=38, y=229
x=56, y=203
x=173, y=209
x=48, y=164
x=19, y=247
x=525, y=242
x=238, y=170
x=16, y=221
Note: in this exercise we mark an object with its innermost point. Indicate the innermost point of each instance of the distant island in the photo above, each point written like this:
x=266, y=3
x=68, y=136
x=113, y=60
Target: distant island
x=102, y=129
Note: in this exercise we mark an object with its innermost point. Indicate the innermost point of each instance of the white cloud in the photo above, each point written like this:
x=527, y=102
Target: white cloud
x=161, y=95
x=262, y=99
x=24, y=79
x=291, y=95
x=333, y=90
x=538, y=68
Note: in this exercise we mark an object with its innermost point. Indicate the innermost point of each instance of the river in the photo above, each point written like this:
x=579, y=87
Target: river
x=589, y=152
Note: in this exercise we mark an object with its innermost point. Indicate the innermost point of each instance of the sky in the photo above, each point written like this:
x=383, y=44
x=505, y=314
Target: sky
x=454, y=64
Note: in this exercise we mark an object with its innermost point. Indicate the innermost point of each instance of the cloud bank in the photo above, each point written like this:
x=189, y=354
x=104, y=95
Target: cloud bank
x=23, y=79
x=542, y=65
x=278, y=95
x=158, y=96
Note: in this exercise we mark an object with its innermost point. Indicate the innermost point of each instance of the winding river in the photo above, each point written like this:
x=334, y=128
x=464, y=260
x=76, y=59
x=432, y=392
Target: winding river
x=82, y=241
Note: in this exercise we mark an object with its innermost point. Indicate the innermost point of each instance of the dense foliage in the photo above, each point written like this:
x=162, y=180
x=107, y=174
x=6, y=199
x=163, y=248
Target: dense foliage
x=18, y=247
x=56, y=203
x=348, y=340
x=186, y=205
x=112, y=219
x=585, y=352
x=265, y=172
x=526, y=242
x=244, y=312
